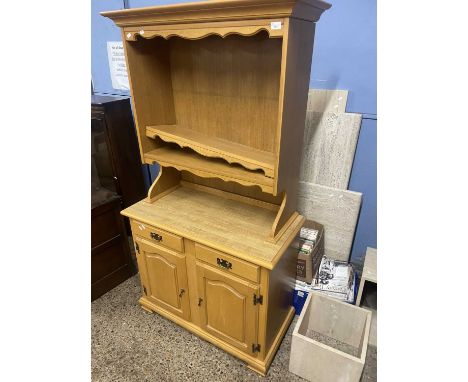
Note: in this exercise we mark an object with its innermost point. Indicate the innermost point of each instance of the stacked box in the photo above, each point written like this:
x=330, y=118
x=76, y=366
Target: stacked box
x=310, y=246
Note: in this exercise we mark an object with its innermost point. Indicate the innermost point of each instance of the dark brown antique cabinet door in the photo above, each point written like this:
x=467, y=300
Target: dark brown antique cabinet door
x=227, y=308
x=164, y=278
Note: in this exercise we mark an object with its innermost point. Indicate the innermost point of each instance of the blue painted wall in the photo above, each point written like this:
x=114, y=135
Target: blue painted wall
x=344, y=58
x=345, y=54
x=103, y=30
x=364, y=179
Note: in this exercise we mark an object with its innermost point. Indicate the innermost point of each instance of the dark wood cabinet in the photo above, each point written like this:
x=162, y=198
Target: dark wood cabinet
x=111, y=261
x=113, y=116
x=116, y=182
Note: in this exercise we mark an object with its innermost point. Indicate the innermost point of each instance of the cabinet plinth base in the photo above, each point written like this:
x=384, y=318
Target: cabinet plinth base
x=147, y=309
x=253, y=363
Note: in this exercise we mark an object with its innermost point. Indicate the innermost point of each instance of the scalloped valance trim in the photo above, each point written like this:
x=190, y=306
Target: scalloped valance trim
x=197, y=34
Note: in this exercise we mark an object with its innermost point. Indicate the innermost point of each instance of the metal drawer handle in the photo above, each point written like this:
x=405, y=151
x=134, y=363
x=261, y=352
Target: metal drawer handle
x=224, y=263
x=155, y=236
x=182, y=291
x=200, y=300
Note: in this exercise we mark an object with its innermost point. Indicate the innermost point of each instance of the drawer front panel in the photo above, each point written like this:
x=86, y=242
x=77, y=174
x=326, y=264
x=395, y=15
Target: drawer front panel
x=228, y=263
x=158, y=236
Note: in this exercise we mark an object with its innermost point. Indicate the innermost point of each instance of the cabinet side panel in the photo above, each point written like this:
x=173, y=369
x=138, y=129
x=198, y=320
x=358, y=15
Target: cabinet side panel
x=151, y=88
x=280, y=293
x=125, y=151
x=297, y=57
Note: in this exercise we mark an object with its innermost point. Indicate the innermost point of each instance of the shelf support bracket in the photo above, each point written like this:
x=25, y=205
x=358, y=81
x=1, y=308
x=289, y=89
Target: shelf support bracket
x=167, y=181
x=283, y=220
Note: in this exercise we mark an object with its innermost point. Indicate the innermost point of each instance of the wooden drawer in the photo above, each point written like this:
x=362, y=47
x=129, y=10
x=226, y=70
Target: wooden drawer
x=228, y=263
x=157, y=236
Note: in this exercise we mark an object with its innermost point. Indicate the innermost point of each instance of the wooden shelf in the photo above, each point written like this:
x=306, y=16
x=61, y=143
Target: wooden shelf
x=207, y=167
x=213, y=147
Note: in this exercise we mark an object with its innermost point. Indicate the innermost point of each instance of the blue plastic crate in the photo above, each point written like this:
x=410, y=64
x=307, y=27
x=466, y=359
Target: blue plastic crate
x=299, y=299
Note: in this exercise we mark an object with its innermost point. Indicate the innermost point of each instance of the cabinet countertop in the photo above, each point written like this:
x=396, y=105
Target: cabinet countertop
x=224, y=224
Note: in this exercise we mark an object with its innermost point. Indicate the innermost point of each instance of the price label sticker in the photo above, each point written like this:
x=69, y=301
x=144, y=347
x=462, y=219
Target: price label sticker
x=275, y=25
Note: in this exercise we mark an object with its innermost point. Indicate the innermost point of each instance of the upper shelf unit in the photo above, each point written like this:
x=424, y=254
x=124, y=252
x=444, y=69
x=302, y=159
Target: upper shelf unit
x=219, y=88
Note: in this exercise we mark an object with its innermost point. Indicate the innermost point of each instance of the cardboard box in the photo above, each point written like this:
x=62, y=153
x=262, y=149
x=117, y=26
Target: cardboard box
x=309, y=263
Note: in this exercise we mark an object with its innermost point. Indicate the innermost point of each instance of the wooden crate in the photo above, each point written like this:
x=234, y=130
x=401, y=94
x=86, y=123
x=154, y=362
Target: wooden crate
x=338, y=323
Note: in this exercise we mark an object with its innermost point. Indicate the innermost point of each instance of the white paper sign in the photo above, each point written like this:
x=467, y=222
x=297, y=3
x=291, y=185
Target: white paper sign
x=275, y=25
x=117, y=65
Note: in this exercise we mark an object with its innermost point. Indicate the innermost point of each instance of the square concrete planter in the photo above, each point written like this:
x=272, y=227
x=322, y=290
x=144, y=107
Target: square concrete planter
x=329, y=342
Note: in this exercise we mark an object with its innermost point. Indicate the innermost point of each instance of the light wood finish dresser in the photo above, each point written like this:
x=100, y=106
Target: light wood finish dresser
x=219, y=91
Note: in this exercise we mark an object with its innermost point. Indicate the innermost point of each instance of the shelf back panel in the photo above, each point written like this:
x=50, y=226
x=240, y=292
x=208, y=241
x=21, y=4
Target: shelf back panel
x=232, y=187
x=228, y=87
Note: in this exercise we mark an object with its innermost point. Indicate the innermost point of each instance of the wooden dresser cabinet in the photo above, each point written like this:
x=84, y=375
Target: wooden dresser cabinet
x=205, y=264
x=219, y=91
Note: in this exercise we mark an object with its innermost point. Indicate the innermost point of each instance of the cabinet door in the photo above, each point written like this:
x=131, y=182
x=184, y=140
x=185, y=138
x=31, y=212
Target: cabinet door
x=164, y=276
x=227, y=308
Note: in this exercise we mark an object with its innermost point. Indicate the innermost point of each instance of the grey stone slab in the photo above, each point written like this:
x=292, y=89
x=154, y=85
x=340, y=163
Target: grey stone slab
x=373, y=329
x=323, y=100
x=337, y=210
x=369, y=271
x=328, y=149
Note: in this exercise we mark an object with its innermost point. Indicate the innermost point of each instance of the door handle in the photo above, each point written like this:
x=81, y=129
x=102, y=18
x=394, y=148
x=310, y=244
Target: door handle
x=182, y=291
x=155, y=236
x=199, y=301
x=224, y=263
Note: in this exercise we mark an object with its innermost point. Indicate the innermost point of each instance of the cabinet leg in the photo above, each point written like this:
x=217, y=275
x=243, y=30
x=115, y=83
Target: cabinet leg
x=261, y=371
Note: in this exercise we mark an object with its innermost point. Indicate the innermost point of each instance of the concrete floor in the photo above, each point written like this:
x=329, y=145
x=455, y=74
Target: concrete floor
x=130, y=344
